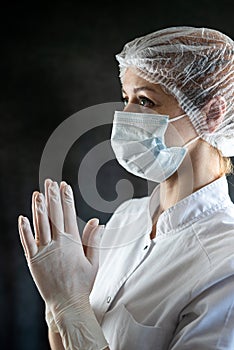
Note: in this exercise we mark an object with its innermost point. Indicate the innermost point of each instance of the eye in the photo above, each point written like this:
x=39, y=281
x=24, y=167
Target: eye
x=125, y=101
x=145, y=102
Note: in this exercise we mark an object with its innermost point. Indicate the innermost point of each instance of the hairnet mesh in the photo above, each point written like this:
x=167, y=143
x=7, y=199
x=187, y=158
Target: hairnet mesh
x=195, y=65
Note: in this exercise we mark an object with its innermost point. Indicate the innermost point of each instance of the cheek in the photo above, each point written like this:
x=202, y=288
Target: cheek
x=179, y=133
x=171, y=107
x=175, y=136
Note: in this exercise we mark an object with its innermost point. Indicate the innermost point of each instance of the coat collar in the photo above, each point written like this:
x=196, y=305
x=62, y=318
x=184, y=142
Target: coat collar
x=190, y=209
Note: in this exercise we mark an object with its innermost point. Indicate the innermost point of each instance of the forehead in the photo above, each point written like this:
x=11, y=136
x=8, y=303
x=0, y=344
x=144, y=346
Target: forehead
x=132, y=82
x=133, y=86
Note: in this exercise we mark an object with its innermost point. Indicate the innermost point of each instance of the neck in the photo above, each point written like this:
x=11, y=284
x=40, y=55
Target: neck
x=199, y=168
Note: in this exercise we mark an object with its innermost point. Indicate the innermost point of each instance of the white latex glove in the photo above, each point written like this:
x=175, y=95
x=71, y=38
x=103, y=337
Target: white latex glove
x=62, y=273
x=90, y=239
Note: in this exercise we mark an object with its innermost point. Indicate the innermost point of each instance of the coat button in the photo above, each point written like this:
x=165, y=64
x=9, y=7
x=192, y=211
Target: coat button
x=146, y=247
x=108, y=299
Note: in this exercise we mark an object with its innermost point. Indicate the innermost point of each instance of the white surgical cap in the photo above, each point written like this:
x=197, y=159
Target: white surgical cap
x=195, y=65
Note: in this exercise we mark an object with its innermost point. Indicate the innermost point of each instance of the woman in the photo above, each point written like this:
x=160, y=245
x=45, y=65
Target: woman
x=162, y=276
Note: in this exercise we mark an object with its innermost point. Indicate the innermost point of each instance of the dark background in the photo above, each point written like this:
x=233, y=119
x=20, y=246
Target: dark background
x=56, y=59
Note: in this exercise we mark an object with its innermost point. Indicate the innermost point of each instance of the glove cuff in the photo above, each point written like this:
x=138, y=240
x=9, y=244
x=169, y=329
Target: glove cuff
x=78, y=326
x=50, y=320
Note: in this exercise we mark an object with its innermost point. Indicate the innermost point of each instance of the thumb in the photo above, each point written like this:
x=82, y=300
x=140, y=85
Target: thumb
x=91, y=238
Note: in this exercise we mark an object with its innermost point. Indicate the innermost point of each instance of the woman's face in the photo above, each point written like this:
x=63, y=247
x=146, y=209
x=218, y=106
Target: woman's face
x=142, y=96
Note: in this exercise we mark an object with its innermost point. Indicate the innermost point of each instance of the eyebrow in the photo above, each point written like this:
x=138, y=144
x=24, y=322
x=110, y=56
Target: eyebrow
x=142, y=88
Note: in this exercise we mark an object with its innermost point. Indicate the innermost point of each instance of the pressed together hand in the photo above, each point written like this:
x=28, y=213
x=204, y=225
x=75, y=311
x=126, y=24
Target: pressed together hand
x=55, y=254
x=63, y=265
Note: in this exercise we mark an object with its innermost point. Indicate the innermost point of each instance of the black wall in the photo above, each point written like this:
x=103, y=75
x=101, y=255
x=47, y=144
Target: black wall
x=57, y=59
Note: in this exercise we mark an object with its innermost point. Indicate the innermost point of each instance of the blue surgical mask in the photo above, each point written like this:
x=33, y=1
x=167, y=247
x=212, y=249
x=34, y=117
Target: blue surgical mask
x=137, y=140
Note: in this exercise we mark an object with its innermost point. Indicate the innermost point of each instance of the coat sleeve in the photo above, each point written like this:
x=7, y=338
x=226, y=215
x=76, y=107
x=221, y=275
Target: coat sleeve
x=207, y=323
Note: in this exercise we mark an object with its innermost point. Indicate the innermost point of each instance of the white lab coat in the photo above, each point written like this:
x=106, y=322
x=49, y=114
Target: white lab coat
x=173, y=292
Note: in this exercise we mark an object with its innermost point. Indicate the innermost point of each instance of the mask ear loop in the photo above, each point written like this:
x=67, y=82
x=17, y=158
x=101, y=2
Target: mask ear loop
x=176, y=118
x=191, y=141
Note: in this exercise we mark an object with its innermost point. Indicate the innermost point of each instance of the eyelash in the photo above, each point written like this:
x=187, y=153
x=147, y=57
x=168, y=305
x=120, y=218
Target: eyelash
x=140, y=98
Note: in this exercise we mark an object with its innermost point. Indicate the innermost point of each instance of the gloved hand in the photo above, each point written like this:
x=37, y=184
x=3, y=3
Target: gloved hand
x=62, y=272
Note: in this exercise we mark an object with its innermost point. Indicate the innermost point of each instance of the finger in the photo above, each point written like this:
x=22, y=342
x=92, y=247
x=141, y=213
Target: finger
x=61, y=188
x=90, y=225
x=43, y=224
x=21, y=236
x=46, y=185
x=27, y=238
x=35, y=225
x=91, y=239
x=69, y=211
x=55, y=209
x=62, y=185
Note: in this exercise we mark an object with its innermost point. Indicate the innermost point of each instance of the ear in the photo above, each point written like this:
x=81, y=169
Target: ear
x=214, y=112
